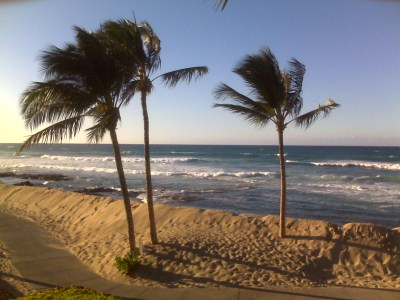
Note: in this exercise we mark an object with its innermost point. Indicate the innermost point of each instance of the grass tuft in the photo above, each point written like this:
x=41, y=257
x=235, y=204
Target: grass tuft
x=69, y=293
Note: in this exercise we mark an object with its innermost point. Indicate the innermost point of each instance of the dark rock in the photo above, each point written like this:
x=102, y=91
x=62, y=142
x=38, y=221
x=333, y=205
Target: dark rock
x=50, y=177
x=103, y=190
x=7, y=174
x=24, y=183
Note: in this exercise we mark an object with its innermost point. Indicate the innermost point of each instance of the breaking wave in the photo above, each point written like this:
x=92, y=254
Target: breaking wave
x=360, y=164
x=162, y=160
x=204, y=174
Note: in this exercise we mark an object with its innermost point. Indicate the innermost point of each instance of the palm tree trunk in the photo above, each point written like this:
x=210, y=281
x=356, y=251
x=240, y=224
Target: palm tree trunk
x=282, y=219
x=124, y=189
x=149, y=186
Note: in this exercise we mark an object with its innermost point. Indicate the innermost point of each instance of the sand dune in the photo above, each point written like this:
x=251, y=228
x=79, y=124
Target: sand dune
x=212, y=248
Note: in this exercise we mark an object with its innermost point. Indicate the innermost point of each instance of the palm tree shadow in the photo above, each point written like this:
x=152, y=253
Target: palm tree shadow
x=171, y=279
x=342, y=242
x=14, y=291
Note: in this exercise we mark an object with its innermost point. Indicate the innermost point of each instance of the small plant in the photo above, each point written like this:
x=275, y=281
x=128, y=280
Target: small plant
x=68, y=293
x=129, y=262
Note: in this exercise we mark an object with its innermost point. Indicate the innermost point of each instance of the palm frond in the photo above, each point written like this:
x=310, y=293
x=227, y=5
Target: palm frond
x=307, y=119
x=59, y=61
x=124, y=39
x=53, y=101
x=294, y=102
x=85, y=62
x=172, y=78
x=152, y=47
x=129, y=91
x=54, y=133
x=221, y=4
x=224, y=91
x=262, y=75
x=105, y=115
x=96, y=133
x=254, y=117
x=105, y=118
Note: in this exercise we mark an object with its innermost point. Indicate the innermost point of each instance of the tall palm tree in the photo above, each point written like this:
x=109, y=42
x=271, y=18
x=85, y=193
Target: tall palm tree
x=86, y=79
x=276, y=98
x=148, y=49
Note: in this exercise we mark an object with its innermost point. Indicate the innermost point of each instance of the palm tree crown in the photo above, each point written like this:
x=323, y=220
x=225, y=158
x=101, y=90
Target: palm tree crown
x=81, y=80
x=275, y=97
x=276, y=93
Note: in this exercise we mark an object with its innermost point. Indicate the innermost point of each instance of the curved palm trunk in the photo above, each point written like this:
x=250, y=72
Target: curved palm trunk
x=124, y=189
x=149, y=185
x=282, y=219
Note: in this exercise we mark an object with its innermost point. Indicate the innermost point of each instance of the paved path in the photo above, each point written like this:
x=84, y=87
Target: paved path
x=44, y=262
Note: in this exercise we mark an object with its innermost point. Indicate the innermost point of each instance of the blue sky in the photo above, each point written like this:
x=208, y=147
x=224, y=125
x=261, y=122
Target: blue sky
x=350, y=50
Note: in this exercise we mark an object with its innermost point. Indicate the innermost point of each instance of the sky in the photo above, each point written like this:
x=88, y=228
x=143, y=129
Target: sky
x=350, y=49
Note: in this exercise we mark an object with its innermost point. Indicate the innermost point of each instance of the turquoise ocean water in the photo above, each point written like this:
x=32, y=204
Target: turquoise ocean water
x=337, y=184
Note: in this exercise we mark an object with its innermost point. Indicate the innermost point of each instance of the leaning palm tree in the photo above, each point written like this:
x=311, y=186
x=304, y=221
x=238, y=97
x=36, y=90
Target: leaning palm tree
x=148, y=49
x=276, y=98
x=86, y=79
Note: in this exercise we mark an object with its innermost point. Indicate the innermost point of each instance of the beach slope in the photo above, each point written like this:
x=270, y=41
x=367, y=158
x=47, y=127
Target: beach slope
x=209, y=247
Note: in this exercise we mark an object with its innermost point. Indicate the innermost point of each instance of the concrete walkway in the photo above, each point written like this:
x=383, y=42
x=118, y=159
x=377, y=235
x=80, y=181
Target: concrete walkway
x=44, y=262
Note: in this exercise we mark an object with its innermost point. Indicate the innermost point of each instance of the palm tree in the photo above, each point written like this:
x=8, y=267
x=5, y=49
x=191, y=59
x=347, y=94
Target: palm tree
x=277, y=99
x=148, y=49
x=86, y=79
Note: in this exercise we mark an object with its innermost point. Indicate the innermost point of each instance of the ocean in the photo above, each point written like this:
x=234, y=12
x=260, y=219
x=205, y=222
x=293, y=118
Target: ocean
x=336, y=184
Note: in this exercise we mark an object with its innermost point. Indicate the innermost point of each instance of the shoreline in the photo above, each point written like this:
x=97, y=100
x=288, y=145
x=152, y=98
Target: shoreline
x=41, y=180
x=203, y=248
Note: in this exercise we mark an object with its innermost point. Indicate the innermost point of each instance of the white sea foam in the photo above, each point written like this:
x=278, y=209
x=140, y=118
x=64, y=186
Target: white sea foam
x=162, y=160
x=212, y=174
x=362, y=164
x=337, y=186
x=97, y=169
x=278, y=154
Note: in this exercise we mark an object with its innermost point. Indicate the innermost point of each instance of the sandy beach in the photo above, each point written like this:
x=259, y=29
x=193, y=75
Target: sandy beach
x=204, y=248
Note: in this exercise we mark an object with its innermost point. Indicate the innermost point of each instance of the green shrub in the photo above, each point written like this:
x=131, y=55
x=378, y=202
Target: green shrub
x=129, y=262
x=70, y=293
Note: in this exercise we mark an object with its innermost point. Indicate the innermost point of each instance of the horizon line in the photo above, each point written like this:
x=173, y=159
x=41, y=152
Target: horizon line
x=175, y=144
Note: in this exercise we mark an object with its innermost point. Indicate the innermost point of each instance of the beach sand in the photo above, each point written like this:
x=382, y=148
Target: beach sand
x=212, y=248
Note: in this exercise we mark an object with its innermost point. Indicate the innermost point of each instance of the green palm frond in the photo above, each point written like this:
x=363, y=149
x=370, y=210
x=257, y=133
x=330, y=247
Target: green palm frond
x=307, y=119
x=96, y=133
x=55, y=61
x=171, y=79
x=52, y=101
x=129, y=91
x=124, y=39
x=262, y=75
x=85, y=62
x=105, y=118
x=294, y=102
x=255, y=117
x=152, y=47
x=224, y=91
x=67, y=128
